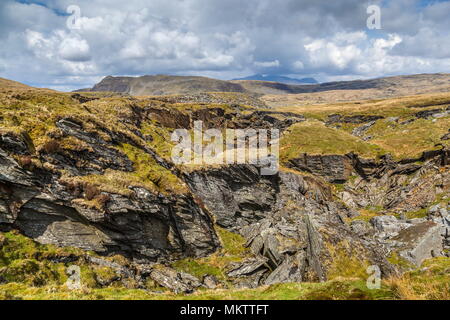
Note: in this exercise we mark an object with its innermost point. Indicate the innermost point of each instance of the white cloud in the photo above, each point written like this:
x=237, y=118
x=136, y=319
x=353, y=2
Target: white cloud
x=224, y=39
x=267, y=64
x=73, y=49
x=298, y=65
x=327, y=53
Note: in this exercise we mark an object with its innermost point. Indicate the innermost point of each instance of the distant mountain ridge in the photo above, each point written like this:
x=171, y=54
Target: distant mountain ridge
x=165, y=85
x=280, y=79
x=366, y=89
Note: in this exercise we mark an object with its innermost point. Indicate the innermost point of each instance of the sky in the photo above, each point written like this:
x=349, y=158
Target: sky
x=68, y=44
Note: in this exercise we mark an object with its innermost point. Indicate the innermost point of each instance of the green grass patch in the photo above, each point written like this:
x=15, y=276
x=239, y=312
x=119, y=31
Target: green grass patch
x=314, y=137
x=232, y=250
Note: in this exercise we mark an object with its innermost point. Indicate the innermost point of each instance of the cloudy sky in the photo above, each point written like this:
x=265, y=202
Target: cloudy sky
x=50, y=43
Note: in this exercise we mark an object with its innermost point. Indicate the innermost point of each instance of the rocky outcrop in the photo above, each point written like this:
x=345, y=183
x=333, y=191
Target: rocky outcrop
x=334, y=168
x=144, y=227
x=369, y=172
x=290, y=222
x=235, y=98
x=178, y=282
x=355, y=119
x=294, y=227
x=219, y=117
x=432, y=113
x=361, y=131
x=401, y=186
x=419, y=242
x=414, y=240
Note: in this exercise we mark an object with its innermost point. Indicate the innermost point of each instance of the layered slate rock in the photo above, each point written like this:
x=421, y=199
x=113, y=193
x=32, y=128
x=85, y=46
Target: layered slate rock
x=178, y=282
x=145, y=227
x=334, y=168
x=294, y=227
x=290, y=223
x=403, y=186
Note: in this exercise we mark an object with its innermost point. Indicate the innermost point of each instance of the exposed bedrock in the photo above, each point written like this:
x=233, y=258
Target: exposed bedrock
x=291, y=223
x=339, y=168
x=145, y=227
x=296, y=229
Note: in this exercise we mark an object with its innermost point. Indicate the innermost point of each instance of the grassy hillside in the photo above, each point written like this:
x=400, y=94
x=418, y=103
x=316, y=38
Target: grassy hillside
x=9, y=84
x=399, y=132
x=383, y=88
x=313, y=137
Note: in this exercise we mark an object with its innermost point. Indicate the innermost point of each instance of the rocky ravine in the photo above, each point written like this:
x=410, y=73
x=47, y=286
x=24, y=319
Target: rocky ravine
x=296, y=228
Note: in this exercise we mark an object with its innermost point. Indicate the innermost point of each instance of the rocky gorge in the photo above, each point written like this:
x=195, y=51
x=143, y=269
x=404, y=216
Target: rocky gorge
x=95, y=174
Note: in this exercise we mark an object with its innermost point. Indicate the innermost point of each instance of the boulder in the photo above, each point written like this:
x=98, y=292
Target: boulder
x=178, y=282
x=247, y=267
x=361, y=131
x=290, y=270
x=210, y=282
x=420, y=242
x=388, y=225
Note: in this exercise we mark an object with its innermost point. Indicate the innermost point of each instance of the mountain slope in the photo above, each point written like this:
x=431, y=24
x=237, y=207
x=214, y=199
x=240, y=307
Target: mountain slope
x=165, y=85
x=5, y=83
x=276, y=93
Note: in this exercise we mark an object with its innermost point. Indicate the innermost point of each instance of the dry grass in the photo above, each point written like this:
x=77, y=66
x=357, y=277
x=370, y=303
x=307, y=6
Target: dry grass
x=406, y=288
x=430, y=282
x=412, y=139
x=401, y=140
x=401, y=106
x=9, y=84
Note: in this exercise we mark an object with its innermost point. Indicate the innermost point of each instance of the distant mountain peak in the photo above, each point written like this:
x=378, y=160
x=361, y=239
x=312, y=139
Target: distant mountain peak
x=278, y=78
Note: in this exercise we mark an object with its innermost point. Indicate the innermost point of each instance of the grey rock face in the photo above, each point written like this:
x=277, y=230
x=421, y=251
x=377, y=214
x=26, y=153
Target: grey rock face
x=337, y=118
x=415, y=240
x=210, y=282
x=334, y=168
x=236, y=195
x=93, y=160
x=387, y=224
x=146, y=227
x=361, y=131
x=290, y=270
x=178, y=282
x=282, y=230
x=360, y=227
x=247, y=267
x=433, y=113
x=18, y=144
x=398, y=186
x=419, y=242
